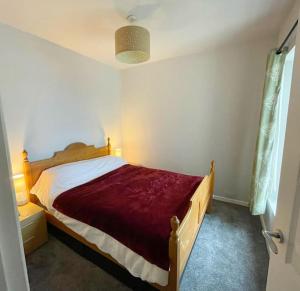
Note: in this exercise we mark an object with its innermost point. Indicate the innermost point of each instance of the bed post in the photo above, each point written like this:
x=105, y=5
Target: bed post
x=108, y=146
x=27, y=175
x=211, y=185
x=174, y=274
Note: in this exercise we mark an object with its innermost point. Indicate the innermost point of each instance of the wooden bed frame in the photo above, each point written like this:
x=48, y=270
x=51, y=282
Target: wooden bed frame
x=183, y=234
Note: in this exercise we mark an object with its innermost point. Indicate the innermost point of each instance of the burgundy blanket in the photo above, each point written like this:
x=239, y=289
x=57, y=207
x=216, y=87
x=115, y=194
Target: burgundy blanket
x=133, y=205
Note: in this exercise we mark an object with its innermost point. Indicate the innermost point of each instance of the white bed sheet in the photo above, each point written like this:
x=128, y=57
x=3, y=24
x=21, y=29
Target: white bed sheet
x=59, y=179
x=134, y=263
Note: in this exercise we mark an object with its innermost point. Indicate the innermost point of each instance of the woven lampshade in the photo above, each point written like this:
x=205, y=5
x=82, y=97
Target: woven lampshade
x=132, y=44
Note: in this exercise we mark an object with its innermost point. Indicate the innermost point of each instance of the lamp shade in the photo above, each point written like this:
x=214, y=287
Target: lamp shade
x=20, y=189
x=118, y=152
x=132, y=44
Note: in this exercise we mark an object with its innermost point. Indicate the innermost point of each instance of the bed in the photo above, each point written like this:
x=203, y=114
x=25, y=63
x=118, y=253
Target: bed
x=182, y=233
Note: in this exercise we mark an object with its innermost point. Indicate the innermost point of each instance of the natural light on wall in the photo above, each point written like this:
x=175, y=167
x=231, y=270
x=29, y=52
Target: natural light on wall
x=20, y=189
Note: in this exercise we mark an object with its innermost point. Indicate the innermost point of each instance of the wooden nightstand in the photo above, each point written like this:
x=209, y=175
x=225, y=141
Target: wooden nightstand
x=33, y=226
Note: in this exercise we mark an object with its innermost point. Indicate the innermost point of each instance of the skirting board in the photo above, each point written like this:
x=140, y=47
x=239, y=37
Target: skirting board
x=230, y=200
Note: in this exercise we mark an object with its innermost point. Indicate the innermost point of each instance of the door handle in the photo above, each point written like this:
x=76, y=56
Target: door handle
x=268, y=235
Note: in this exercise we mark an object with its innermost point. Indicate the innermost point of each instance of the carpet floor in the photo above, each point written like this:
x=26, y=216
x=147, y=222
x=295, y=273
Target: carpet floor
x=229, y=255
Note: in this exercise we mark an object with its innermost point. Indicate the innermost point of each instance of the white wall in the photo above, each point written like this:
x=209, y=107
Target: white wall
x=288, y=23
x=177, y=114
x=181, y=113
x=52, y=97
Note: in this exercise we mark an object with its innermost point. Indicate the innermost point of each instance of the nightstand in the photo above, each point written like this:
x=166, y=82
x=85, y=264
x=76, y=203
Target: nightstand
x=33, y=226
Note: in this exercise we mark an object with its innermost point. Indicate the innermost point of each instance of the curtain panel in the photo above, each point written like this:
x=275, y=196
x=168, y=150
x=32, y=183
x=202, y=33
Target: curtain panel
x=262, y=177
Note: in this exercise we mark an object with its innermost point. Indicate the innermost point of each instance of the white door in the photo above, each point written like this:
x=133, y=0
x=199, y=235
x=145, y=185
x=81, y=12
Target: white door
x=13, y=273
x=284, y=268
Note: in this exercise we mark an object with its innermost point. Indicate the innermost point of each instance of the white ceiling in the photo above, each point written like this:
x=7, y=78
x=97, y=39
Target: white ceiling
x=177, y=27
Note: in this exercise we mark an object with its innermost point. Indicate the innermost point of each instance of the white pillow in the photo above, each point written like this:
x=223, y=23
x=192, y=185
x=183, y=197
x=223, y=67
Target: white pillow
x=59, y=179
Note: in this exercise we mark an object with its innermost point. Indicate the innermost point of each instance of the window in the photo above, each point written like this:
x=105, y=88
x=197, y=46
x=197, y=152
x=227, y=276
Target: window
x=282, y=113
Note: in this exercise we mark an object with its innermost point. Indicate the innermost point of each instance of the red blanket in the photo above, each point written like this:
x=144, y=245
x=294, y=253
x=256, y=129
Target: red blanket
x=133, y=205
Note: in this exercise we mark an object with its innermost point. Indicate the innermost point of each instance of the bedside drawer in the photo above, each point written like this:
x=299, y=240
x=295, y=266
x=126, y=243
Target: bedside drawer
x=34, y=233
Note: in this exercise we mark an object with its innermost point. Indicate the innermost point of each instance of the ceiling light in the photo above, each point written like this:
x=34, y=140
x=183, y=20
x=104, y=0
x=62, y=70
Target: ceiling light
x=132, y=43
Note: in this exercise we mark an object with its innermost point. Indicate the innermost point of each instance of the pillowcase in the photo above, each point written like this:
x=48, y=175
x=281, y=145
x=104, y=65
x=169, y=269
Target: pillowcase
x=59, y=179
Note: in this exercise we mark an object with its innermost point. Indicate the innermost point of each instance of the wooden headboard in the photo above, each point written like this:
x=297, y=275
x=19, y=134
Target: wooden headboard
x=72, y=153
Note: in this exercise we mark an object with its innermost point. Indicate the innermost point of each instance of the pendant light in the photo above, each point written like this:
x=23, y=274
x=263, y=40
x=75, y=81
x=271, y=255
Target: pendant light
x=132, y=43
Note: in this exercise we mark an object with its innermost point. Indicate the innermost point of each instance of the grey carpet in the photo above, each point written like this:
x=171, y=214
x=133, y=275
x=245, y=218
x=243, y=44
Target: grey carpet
x=229, y=254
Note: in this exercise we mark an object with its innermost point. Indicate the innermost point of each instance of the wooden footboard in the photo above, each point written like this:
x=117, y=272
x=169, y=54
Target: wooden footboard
x=184, y=233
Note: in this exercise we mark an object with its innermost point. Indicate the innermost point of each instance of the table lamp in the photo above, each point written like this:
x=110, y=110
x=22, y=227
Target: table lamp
x=117, y=152
x=20, y=189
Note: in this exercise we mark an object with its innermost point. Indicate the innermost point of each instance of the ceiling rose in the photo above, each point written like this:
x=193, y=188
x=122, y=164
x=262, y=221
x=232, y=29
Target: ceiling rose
x=132, y=43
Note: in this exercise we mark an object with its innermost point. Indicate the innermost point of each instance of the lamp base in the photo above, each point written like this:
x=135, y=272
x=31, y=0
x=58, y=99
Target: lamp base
x=21, y=203
x=21, y=198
